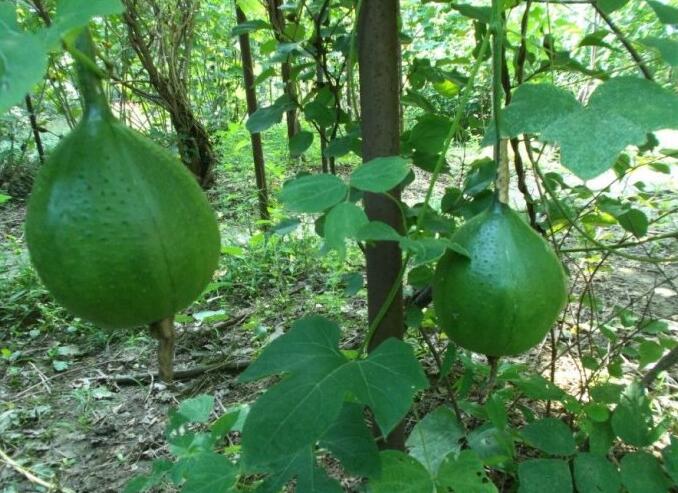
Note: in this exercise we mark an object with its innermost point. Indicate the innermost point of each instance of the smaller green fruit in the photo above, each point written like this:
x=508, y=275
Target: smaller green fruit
x=507, y=295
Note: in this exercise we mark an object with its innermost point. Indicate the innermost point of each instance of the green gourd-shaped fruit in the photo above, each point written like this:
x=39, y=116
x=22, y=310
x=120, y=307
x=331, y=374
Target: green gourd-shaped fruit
x=507, y=295
x=118, y=229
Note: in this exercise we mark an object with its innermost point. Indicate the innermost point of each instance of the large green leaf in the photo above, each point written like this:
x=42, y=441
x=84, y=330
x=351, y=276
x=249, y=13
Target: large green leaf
x=645, y=103
x=593, y=473
x=302, y=466
x=343, y=222
x=381, y=174
x=400, y=473
x=313, y=193
x=434, y=437
x=665, y=13
x=551, y=436
x=72, y=14
x=210, y=473
x=590, y=140
x=621, y=112
x=464, y=472
x=539, y=475
x=535, y=106
x=632, y=419
x=23, y=61
x=642, y=473
x=296, y=412
x=350, y=440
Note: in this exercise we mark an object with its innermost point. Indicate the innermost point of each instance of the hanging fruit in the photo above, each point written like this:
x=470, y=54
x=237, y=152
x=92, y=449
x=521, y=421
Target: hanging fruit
x=117, y=228
x=507, y=295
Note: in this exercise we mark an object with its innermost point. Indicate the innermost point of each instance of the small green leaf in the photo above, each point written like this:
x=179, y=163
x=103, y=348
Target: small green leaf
x=609, y=6
x=434, y=437
x=197, y=409
x=210, y=473
x=341, y=146
x=249, y=27
x=354, y=282
x=667, y=48
x=642, y=473
x=265, y=118
x=343, y=222
x=381, y=174
x=496, y=411
x=481, y=175
x=464, y=473
x=313, y=193
x=649, y=352
x=429, y=134
x=537, y=387
x=595, y=474
x=481, y=14
x=551, y=436
x=665, y=13
x=377, y=231
x=23, y=62
x=300, y=143
x=400, y=473
x=538, y=475
x=286, y=226
x=670, y=455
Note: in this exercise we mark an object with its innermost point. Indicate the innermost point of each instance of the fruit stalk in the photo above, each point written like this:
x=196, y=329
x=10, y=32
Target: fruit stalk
x=500, y=146
x=95, y=103
x=164, y=332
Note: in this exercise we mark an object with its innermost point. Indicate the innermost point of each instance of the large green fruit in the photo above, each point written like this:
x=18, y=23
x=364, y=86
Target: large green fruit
x=504, y=299
x=117, y=228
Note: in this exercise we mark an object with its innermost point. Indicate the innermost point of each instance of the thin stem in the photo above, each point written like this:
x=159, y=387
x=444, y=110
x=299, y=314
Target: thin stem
x=622, y=39
x=89, y=77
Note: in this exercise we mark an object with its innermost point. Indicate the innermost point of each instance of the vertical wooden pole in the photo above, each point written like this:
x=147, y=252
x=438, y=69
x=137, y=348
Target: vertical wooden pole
x=378, y=53
x=251, y=95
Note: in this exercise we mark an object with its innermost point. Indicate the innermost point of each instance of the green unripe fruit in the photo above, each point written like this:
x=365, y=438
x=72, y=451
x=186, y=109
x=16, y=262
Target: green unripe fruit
x=117, y=228
x=507, y=295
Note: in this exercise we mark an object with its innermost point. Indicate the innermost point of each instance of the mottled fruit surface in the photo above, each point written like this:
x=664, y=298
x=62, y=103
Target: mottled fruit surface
x=507, y=295
x=118, y=229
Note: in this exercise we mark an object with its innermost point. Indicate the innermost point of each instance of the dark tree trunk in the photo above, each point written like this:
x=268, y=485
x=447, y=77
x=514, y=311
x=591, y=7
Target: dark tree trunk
x=32, y=118
x=251, y=93
x=379, y=101
x=277, y=19
x=195, y=146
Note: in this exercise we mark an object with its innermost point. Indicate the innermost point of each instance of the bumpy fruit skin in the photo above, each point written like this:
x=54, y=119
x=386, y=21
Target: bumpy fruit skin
x=118, y=229
x=504, y=299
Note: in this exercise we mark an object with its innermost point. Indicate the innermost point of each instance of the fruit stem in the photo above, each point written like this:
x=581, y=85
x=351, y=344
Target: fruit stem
x=164, y=332
x=500, y=146
x=493, y=361
x=95, y=103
